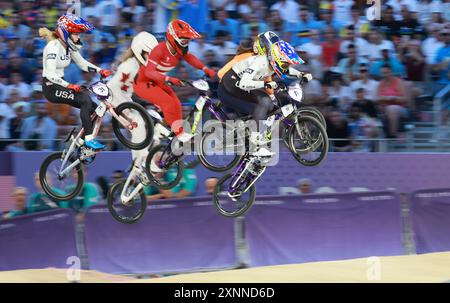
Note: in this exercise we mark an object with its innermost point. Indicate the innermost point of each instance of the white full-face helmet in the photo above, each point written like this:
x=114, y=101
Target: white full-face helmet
x=142, y=45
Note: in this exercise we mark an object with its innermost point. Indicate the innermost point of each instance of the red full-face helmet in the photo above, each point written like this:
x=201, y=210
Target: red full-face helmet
x=179, y=33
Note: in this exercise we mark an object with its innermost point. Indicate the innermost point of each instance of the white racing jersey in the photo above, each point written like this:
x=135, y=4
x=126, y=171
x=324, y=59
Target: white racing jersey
x=254, y=70
x=56, y=60
x=122, y=82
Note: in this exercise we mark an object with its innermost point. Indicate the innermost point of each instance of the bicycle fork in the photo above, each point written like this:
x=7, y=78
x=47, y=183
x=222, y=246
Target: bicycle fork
x=123, y=196
x=255, y=173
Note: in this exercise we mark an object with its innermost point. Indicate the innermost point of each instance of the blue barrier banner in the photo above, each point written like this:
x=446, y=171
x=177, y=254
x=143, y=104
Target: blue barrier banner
x=173, y=236
x=38, y=240
x=430, y=215
x=298, y=229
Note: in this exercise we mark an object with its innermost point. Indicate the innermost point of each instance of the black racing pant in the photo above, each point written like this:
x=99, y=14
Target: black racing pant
x=58, y=94
x=256, y=102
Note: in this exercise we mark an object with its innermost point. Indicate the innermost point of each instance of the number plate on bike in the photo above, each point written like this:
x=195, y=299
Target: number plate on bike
x=287, y=110
x=101, y=109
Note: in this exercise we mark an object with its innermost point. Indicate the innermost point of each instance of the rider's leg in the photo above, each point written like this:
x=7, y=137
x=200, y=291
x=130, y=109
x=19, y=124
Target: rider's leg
x=233, y=102
x=166, y=99
x=59, y=94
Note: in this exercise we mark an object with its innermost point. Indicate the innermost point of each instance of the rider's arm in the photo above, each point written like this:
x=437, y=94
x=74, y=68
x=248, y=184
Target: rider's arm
x=194, y=61
x=83, y=64
x=294, y=72
x=51, y=56
x=247, y=82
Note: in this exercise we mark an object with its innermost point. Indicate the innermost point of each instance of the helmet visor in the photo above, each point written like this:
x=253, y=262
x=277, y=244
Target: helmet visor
x=183, y=42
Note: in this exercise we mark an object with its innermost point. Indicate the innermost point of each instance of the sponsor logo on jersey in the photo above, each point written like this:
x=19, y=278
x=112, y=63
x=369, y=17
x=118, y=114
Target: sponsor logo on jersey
x=64, y=57
x=51, y=56
x=248, y=71
x=65, y=94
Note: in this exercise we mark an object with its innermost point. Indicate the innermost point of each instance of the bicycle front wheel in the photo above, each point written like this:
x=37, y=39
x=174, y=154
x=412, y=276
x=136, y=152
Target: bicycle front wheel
x=57, y=185
x=308, y=141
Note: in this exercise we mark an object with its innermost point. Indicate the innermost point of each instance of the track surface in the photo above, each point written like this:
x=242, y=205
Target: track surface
x=415, y=268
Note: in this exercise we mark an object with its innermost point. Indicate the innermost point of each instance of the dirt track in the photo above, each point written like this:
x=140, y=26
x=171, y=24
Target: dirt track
x=417, y=268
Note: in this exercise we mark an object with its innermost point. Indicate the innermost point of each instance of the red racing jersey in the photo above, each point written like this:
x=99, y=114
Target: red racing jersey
x=162, y=61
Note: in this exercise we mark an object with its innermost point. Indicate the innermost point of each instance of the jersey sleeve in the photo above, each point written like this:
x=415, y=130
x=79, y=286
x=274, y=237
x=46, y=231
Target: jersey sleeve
x=83, y=64
x=247, y=83
x=194, y=61
x=51, y=54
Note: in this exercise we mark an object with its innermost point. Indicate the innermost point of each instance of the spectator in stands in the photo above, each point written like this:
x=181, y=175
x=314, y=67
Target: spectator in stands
x=105, y=56
x=16, y=123
x=377, y=43
x=17, y=83
x=361, y=45
x=4, y=126
x=305, y=186
x=342, y=11
x=326, y=13
x=337, y=128
x=39, y=201
x=388, y=24
x=222, y=22
x=366, y=106
x=369, y=85
x=133, y=12
x=300, y=32
x=19, y=195
x=398, y=69
x=224, y=46
x=349, y=66
x=89, y=196
x=210, y=184
x=314, y=45
x=253, y=21
x=412, y=58
x=288, y=10
x=330, y=48
x=409, y=25
x=185, y=188
x=276, y=24
x=108, y=11
x=40, y=128
x=360, y=23
x=362, y=128
x=433, y=43
x=340, y=92
x=391, y=97
x=443, y=59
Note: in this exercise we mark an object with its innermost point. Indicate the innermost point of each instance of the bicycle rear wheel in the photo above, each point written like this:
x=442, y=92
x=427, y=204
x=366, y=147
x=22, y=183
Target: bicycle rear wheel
x=161, y=175
x=235, y=203
x=218, y=149
x=126, y=213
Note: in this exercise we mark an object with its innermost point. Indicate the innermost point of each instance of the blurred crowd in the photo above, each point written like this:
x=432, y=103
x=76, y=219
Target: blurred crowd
x=26, y=201
x=368, y=75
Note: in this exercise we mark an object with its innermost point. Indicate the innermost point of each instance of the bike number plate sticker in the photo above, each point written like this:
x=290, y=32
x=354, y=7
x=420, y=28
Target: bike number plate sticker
x=287, y=110
x=270, y=120
x=101, y=109
x=200, y=103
